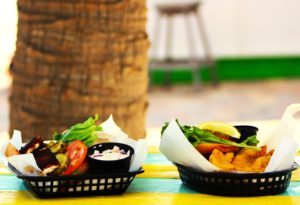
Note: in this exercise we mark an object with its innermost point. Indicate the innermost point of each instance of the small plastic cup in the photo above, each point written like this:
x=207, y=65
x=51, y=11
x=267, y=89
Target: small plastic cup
x=98, y=166
x=246, y=131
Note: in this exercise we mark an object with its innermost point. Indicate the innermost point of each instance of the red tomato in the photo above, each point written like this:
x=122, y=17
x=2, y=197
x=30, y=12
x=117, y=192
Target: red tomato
x=82, y=169
x=207, y=148
x=76, y=152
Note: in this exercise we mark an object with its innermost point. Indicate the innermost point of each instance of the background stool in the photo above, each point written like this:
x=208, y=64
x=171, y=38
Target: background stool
x=194, y=63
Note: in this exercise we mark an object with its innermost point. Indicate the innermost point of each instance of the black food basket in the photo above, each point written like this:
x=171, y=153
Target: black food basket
x=80, y=185
x=236, y=184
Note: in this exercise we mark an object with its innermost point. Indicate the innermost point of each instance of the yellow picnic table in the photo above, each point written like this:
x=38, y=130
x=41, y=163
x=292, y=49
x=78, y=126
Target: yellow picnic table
x=159, y=184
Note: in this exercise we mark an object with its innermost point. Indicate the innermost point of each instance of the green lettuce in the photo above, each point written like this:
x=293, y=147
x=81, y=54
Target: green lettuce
x=86, y=132
x=196, y=136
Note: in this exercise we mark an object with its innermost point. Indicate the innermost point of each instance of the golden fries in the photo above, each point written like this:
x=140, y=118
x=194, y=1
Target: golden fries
x=246, y=160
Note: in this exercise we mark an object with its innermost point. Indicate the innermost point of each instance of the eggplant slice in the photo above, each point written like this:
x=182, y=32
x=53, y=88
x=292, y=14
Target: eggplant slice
x=32, y=145
x=46, y=160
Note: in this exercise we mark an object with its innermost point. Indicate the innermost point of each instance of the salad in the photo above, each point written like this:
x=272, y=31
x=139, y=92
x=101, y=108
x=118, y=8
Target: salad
x=64, y=155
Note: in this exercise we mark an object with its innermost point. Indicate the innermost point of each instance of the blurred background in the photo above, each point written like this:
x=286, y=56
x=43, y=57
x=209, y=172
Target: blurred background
x=221, y=60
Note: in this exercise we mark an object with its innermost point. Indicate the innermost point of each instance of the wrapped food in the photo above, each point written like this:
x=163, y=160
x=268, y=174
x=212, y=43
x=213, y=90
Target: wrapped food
x=66, y=154
x=182, y=145
x=220, y=144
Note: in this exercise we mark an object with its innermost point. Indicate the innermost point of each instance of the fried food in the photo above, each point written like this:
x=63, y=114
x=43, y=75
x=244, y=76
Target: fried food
x=30, y=169
x=11, y=150
x=222, y=160
x=246, y=160
x=250, y=160
x=261, y=163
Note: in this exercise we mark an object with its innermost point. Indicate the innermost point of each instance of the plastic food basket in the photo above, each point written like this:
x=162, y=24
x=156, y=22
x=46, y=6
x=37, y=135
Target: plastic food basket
x=236, y=184
x=81, y=185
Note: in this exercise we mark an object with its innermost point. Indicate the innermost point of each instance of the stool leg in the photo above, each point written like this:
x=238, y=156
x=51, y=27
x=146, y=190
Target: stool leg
x=169, y=38
x=154, y=45
x=193, y=57
x=207, y=51
x=155, y=40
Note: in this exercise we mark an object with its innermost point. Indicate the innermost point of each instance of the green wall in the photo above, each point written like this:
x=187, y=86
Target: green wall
x=247, y=68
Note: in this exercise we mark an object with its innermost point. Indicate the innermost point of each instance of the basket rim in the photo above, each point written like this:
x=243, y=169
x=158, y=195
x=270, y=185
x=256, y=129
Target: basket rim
x=85, y=176
x=228, y=173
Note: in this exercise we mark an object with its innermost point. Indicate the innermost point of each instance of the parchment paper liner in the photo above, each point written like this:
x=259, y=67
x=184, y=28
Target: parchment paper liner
x=109, y=129
x=175, y=146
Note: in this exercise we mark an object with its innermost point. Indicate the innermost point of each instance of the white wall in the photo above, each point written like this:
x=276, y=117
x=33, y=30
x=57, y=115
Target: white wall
x=8, y=29
x=234, y=27
x=241, y=28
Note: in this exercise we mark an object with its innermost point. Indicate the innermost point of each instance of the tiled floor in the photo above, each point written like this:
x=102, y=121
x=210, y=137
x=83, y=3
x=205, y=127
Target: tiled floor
x=231, y=101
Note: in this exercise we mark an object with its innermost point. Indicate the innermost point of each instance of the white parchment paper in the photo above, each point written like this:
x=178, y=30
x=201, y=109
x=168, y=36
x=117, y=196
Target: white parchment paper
x=139, y=146
x=19, y=161
x=175, y=146
x=110, y=129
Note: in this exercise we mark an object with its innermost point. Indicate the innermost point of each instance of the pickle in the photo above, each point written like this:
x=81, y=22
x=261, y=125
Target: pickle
x=58, y=147
x=50, y=143
x=64, y=163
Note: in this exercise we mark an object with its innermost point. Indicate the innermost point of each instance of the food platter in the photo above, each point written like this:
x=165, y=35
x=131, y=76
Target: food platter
x=77, y=185
x=236, y=184
x=233, y=160
x=65, y=166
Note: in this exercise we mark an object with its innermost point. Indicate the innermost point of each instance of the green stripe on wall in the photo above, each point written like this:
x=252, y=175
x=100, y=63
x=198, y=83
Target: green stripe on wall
x=247, y=68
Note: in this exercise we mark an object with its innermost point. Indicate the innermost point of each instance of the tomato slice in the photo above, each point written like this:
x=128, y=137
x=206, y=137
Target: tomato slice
x=82, y=169
x=76, y=152
x=207, y=148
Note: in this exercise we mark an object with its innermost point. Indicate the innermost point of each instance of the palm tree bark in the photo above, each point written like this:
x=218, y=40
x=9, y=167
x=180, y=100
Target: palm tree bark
x=76, y=58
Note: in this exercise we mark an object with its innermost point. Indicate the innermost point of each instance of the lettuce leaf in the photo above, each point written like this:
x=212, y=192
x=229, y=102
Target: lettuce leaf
x=86, y=132
x=196, y=136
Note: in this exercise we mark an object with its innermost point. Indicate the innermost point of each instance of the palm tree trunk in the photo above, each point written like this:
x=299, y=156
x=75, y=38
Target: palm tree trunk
x=76, y=58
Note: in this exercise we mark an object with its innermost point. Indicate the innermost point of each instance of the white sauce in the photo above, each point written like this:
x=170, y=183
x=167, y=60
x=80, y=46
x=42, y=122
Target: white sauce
x=110, y=154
